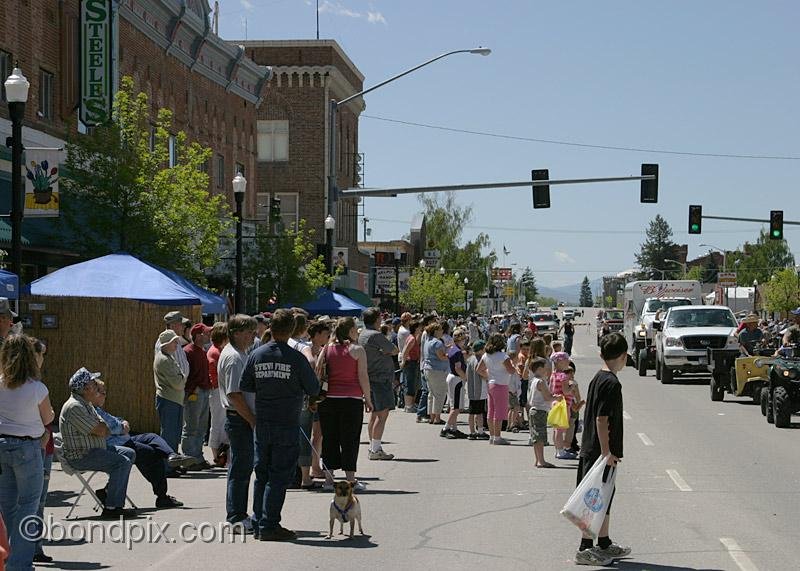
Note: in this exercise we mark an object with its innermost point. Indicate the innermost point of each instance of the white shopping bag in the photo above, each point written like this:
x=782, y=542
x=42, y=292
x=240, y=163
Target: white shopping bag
x=588, y=504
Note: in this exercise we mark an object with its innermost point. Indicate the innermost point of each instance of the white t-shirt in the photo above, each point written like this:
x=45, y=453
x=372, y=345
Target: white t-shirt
x=497, y=370
x=537, y=400
x=229, y=373
x=402, y=337
x=19, y=409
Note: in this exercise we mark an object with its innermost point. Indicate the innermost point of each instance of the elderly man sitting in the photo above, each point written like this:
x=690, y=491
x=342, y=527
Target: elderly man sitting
x=84, y=445
x=153, y=454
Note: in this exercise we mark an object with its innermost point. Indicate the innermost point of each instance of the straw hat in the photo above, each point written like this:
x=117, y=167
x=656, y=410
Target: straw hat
x=752, y=318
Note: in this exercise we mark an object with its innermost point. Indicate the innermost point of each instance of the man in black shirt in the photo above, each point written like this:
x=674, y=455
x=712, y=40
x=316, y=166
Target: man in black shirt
x=602, y=436
x=279, y=376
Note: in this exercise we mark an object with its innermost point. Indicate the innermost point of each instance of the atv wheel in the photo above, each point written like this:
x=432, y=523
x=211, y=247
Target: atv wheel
x=733, y=383
x=666, y=375
x=717, y=392
x=770, y=416
x=642, y=365
x=782, y=406
x=757, y=395
x=763, y=399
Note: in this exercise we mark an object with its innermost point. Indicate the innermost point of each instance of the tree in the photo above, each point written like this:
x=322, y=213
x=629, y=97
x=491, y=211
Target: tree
x=695, y=273
x=782, y=292
x=586, y=293
x=121, y=195
x=445, y=220
x=658, y=247
x=285, y=266
x=760, y=260
x=528, y=282
x=429, y=290
x=710, y=270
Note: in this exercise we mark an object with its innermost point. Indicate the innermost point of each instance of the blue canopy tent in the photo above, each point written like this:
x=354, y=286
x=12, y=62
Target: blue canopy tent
x=326, y=302
x=9, y=285
x=126, y=277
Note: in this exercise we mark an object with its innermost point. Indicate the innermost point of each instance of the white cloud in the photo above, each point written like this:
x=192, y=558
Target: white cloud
x=563, y=257
x=246, y=4
x=338, y=9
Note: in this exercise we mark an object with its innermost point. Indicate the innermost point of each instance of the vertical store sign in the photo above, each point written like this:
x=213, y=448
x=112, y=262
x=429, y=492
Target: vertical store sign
x=95, y=61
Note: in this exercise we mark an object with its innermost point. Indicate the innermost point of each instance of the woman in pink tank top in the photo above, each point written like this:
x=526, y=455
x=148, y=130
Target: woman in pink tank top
x=341, y=414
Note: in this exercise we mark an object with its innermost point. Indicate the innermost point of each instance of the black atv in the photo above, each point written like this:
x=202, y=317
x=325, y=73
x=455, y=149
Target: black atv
x=781, y=396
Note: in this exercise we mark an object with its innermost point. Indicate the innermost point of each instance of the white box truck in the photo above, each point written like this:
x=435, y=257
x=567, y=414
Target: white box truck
x=642, y=301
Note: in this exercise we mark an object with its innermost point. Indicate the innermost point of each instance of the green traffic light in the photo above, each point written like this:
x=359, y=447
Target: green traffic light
x=776, y=233
x=695, y=227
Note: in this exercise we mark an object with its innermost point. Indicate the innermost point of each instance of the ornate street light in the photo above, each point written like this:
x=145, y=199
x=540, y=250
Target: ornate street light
x=17, y=95
x=239, y=188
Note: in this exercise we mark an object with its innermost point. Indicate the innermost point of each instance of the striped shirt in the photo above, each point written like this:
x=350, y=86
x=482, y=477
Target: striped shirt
x=77, y=420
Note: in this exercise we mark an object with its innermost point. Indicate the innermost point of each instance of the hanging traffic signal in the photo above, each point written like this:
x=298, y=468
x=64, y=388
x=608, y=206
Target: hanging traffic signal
x=695, y=219
x=776, y=224
x=541, y=194
x=649, y=190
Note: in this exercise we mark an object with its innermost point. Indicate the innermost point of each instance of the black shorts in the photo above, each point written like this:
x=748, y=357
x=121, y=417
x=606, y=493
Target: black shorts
x=477, y=406
x=584, y=465
x=523, y=398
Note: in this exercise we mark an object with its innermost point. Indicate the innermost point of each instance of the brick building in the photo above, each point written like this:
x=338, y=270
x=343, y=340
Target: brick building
x=169, y=49
x=292, y=129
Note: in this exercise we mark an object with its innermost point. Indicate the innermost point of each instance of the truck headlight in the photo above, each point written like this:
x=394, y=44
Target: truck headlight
x=733, y=340
x=642, y=333
x=673, y=342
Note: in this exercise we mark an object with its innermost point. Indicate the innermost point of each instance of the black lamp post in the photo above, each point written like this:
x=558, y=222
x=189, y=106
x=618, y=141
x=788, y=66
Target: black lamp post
x=239, y=187
x=16, y=95
x=466, y=298
x=330, y=226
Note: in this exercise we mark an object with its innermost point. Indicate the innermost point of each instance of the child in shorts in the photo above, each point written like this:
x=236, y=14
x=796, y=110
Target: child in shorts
x=540, y=399
x=476, y=393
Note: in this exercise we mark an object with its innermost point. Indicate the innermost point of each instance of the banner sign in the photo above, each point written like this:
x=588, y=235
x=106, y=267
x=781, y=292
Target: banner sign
x=726, y=279
x=501, y=274
x=95, y=68
x=384, y=281
x=41, y=183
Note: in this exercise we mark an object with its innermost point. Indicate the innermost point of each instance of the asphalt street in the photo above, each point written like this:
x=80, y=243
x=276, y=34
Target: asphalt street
x=702, y=485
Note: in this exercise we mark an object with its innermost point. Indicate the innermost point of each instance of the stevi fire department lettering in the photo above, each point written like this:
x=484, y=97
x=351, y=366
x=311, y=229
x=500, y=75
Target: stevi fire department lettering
x=281, y=371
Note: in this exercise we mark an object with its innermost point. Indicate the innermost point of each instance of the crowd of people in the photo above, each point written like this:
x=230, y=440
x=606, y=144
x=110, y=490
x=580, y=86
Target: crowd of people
x=280, y=400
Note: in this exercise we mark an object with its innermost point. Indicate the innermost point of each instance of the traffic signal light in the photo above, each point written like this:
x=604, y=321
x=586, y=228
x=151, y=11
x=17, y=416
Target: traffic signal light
x=649, y=190
x=695, y=218
x=541, y=194
x=776, y=224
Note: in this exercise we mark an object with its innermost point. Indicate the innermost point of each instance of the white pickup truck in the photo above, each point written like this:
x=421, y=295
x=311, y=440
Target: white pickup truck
x=684, y=336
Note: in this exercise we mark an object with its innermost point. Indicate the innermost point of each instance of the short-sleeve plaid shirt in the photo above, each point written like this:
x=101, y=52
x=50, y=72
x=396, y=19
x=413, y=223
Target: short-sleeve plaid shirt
x=78, y=418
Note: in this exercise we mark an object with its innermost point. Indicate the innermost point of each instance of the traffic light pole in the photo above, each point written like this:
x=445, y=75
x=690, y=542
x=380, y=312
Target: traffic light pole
x=485, y=185
x=737, y=219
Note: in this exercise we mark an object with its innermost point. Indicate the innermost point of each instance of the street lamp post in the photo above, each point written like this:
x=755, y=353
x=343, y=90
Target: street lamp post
x=397, y=255
x=17, y=95
x=681, y=264
x=724, y=265
x=466, y=298
x=330, y=226
x=334, y=107
x=239, y=187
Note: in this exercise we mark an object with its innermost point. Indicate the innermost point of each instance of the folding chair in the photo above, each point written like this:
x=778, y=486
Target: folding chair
x=70, y=470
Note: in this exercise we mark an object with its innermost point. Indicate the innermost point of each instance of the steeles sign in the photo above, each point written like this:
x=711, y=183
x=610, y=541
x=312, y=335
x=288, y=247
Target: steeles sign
x=96, y=70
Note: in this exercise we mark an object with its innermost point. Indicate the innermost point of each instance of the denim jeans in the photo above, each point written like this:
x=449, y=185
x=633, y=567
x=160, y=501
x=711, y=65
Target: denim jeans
x=47, y=462
x=116, y=461
x=410, y=378
x=152, y=452
x=170, y=415
x=276, y=460
x=422, y=406
x=195, y=424
x=240, y=468
x=20, y=491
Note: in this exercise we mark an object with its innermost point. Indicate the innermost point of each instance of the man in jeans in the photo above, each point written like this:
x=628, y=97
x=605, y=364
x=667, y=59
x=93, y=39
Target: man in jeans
x=280, y=377
x=240, y=421
x=195, y=403
x=380, y=367
x=84, y=443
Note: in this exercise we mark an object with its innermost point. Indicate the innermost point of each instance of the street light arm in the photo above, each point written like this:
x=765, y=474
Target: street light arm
x=485, y=51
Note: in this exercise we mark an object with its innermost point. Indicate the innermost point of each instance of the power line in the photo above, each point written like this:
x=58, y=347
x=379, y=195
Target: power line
x=583, y=145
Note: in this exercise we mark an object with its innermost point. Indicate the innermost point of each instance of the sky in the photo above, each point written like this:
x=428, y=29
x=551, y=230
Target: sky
x=711, y=77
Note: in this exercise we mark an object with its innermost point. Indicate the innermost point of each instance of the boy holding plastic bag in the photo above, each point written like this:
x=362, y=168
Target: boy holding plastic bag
x=602, y=438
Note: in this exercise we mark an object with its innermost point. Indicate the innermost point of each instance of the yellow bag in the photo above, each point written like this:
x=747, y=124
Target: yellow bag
x=558, y=416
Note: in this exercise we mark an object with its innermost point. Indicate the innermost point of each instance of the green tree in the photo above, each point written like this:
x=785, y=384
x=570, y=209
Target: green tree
x=121, y=195
x=760, y=260
x=695, y=273
x=782, y=292
x=429, y=290
x=445, y=219
x=658, y=247
x=585, y=299
x=710, y=270
x=285, y=265
x=528, y=282
x=546, y=301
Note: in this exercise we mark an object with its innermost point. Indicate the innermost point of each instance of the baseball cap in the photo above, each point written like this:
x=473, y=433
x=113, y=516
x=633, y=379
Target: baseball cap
x=173, y=317
x=5, y=307
x=81, y=378
x=167, y=336
x=199, y=328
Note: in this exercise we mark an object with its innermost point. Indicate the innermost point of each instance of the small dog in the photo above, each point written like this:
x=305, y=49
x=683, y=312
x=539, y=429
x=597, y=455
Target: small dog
x=345, y=507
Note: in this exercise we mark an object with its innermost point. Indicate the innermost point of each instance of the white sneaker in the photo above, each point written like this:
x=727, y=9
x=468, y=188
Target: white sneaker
x=614, y=551
x=500, y=441
x=359, y=487
x=592, y=556
x=380, y=455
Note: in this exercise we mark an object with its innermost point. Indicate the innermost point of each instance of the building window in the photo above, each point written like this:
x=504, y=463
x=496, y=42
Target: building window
x=220, y=171
x=173, y=151
x=240, y=168
x=290, y=213
x=273, y=141
x=204, y=166
x=262, y=205
x=5, y=71
x=46, y=84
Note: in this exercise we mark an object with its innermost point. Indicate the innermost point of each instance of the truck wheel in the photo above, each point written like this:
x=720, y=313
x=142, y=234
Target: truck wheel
x=658, y=370
x=717, y=392
x=666, y=375
x=782, y=407
x=770, y=416
x=763, y=399
x=642, y=364
x=733, y=382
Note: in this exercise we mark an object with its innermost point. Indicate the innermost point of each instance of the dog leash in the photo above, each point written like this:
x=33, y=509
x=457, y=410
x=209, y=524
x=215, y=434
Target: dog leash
x=313, y=451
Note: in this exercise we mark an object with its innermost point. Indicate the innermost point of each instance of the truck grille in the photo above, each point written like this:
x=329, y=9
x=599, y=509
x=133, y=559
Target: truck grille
x=702, y=342
x=616, y=326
